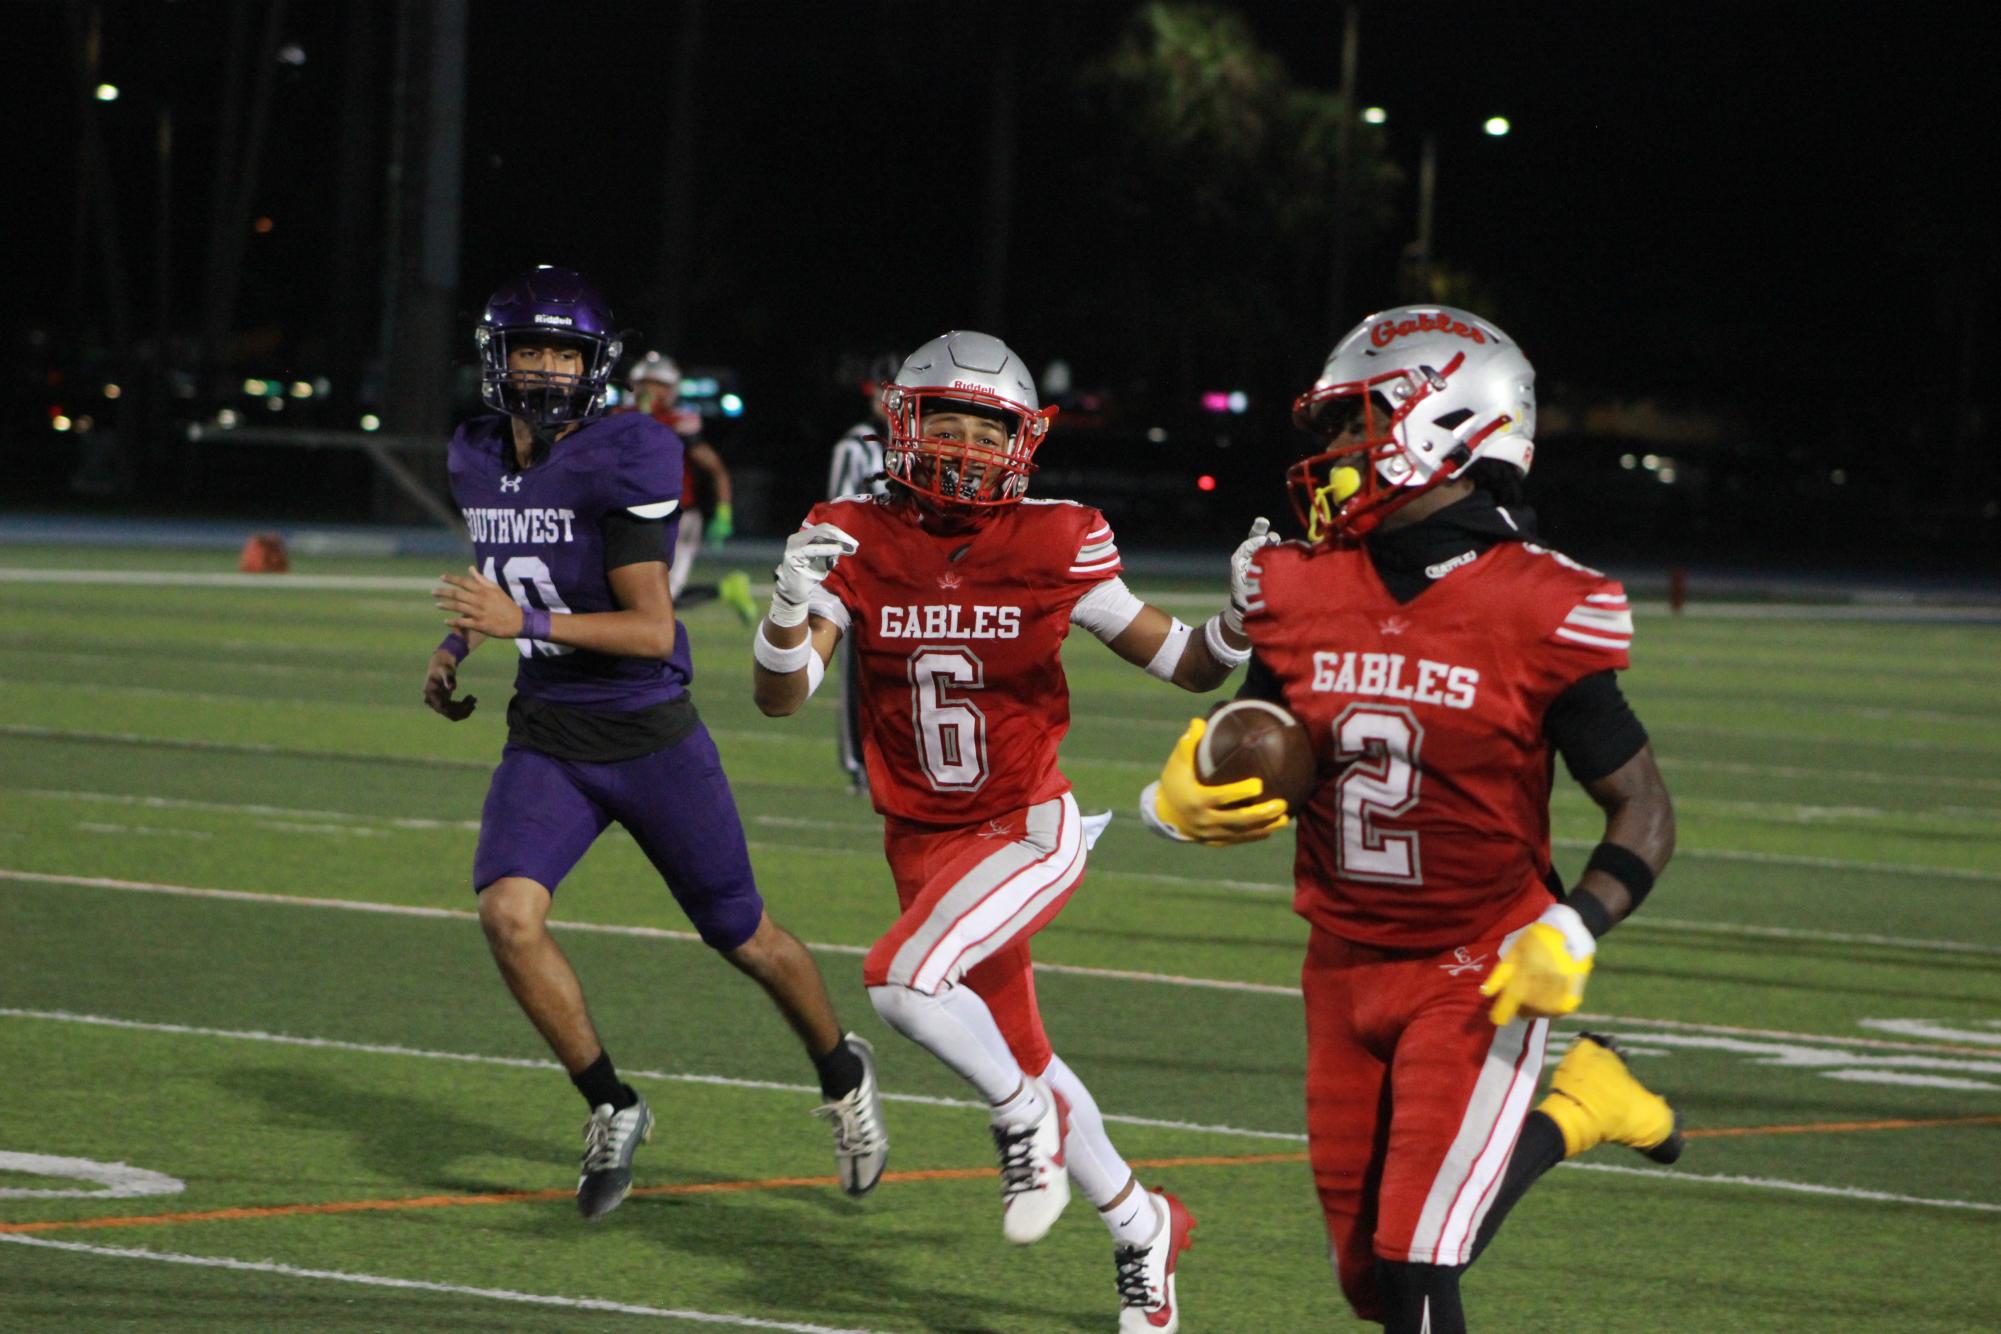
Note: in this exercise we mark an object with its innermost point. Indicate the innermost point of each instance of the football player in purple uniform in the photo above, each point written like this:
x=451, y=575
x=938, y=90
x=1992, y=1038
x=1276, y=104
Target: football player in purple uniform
x=572, y=514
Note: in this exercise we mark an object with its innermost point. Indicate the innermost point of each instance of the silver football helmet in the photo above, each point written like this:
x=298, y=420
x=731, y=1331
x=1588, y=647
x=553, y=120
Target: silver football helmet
x=972, y=374
x=1409, y=399
x=656, y=368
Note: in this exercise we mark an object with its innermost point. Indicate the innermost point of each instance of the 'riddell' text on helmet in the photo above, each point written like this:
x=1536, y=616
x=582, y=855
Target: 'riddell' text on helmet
x=974, y=375
x=1409, y=399
x=546, y=306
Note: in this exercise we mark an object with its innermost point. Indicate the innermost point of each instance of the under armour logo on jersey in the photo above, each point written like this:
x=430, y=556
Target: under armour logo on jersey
x=511, y=482
x=1393, y=625
x=1467, y=962
x=949, y=580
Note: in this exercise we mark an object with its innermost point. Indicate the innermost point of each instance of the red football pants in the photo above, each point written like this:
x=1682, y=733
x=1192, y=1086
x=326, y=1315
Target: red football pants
x=1413, y=1098
x=971, y=898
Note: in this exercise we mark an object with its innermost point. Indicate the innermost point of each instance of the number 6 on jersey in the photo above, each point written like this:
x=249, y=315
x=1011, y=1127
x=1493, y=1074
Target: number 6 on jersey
x=951, y=730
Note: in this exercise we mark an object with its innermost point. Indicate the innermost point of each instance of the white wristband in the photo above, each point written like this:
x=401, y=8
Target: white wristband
x=1212, y=635
x=816, y=671
x=1171, y=648
x=784, y=661
x=785, y=614
x=1149, y=814
x=1577, y=937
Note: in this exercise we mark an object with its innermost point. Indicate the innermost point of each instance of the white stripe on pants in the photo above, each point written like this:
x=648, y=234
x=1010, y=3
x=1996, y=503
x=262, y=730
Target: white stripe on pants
x=1466, y=1180
x=999, y=898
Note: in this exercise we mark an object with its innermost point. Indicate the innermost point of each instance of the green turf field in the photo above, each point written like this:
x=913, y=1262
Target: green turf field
x=236, y=953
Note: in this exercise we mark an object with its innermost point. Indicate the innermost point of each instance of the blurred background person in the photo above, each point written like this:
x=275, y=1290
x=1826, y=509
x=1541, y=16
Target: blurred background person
x=655, y=380
x=857, y=469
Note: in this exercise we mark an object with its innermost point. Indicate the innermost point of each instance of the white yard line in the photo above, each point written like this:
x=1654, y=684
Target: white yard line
x=323, y=583
x=384, y=1049
x=872, y=830
x=536, y=1063
x=1073, y=970
x=425, y=1285
x=1772, y=1183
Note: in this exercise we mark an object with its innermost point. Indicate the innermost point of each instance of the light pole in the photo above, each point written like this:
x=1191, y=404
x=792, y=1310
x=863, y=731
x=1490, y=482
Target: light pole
x=1417, y=256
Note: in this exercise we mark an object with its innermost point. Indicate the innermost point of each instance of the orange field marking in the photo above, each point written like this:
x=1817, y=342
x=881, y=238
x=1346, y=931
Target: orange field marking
x=530, y=1196
x=1839, y=1127
x=792, y=1183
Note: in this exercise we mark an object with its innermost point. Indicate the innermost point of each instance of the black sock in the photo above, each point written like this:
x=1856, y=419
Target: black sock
x=840, y=1071
x=598, y=1082
x=1539, y=1148
x=1421, y=1299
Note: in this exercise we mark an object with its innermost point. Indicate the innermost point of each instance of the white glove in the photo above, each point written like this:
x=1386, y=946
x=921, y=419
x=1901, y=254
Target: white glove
x=810, y=554
x=1242, y=587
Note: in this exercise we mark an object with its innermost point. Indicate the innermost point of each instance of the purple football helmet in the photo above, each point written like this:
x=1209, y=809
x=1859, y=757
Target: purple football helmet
x=543, y=306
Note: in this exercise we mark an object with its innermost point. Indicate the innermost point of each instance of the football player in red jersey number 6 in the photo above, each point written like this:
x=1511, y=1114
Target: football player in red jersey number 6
x=957, y=591
x=1439, y=658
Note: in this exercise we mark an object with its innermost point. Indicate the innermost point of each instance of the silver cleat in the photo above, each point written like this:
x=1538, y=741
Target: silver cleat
x=861, y=1142
x=610, y=1140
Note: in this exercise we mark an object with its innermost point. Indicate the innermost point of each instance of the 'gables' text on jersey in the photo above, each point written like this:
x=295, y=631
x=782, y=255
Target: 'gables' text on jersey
x=539, y=534
x=1431, y=820
x=957, y=636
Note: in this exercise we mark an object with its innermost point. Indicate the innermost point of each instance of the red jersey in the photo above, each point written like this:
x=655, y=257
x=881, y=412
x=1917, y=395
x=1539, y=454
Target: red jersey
x=958, y=639
x=1432, y=819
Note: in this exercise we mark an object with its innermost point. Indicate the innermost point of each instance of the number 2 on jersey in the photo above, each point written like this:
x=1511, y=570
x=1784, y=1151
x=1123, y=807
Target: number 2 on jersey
x=517, y=576
x=951, y=730
x=1380, y=744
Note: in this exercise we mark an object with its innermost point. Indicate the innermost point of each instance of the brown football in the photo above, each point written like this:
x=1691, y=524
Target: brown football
x=1253, y=738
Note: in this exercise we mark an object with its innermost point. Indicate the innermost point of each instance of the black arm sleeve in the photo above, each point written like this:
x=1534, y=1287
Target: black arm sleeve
x=1261, y=683
x=1593, y=727
x=628, y=540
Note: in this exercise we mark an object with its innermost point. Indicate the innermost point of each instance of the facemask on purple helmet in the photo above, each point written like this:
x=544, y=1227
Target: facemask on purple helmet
x=546, y=307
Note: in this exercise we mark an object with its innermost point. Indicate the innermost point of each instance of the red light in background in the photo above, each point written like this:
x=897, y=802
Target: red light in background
x=1205, y=483
x=262, y=226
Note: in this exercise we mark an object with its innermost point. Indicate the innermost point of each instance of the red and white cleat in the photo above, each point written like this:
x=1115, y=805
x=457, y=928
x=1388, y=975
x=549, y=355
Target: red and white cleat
x=1035, y=1184
x=1147, y=1304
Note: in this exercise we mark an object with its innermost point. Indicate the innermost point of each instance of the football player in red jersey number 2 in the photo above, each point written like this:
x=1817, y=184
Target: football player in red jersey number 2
x=957, y=591
x=1439, y=658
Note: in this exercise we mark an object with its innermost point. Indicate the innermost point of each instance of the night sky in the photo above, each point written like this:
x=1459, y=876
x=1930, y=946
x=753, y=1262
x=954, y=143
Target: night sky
x=1768, y=208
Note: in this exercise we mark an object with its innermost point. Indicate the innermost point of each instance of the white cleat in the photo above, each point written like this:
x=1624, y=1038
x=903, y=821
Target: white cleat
x=861, y=1143
x=1147, y=1304
x=610, y=1140
x=1035, y=1186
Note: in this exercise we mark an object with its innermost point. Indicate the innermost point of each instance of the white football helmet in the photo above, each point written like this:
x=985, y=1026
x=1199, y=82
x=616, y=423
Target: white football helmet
x=656, y=368
x=1409, y=399
x=976, y=374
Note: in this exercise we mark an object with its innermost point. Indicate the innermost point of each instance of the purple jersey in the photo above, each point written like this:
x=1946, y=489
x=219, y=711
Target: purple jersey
x=538, y=533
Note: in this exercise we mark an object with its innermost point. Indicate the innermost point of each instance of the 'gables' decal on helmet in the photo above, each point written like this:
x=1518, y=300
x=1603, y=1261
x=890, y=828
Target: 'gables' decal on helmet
x=1387, y=331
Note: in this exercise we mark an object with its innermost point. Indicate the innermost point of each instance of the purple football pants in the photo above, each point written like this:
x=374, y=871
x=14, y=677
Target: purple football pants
x=542, y=814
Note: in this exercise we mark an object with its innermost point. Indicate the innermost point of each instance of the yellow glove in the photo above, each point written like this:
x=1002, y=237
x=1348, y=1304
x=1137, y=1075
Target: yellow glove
x=1182, y=807
x=1542, y=974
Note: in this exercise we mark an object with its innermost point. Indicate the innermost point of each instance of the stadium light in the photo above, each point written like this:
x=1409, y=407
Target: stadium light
x=1497, y=126
x=732, y=405
x=112, y=391
x=107, y=92
x=1375, y=116
x=60, y=422
x=370, y=422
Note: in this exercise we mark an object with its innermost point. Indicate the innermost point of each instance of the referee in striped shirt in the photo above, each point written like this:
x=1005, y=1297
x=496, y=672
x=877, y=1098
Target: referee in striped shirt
x=857, y=470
